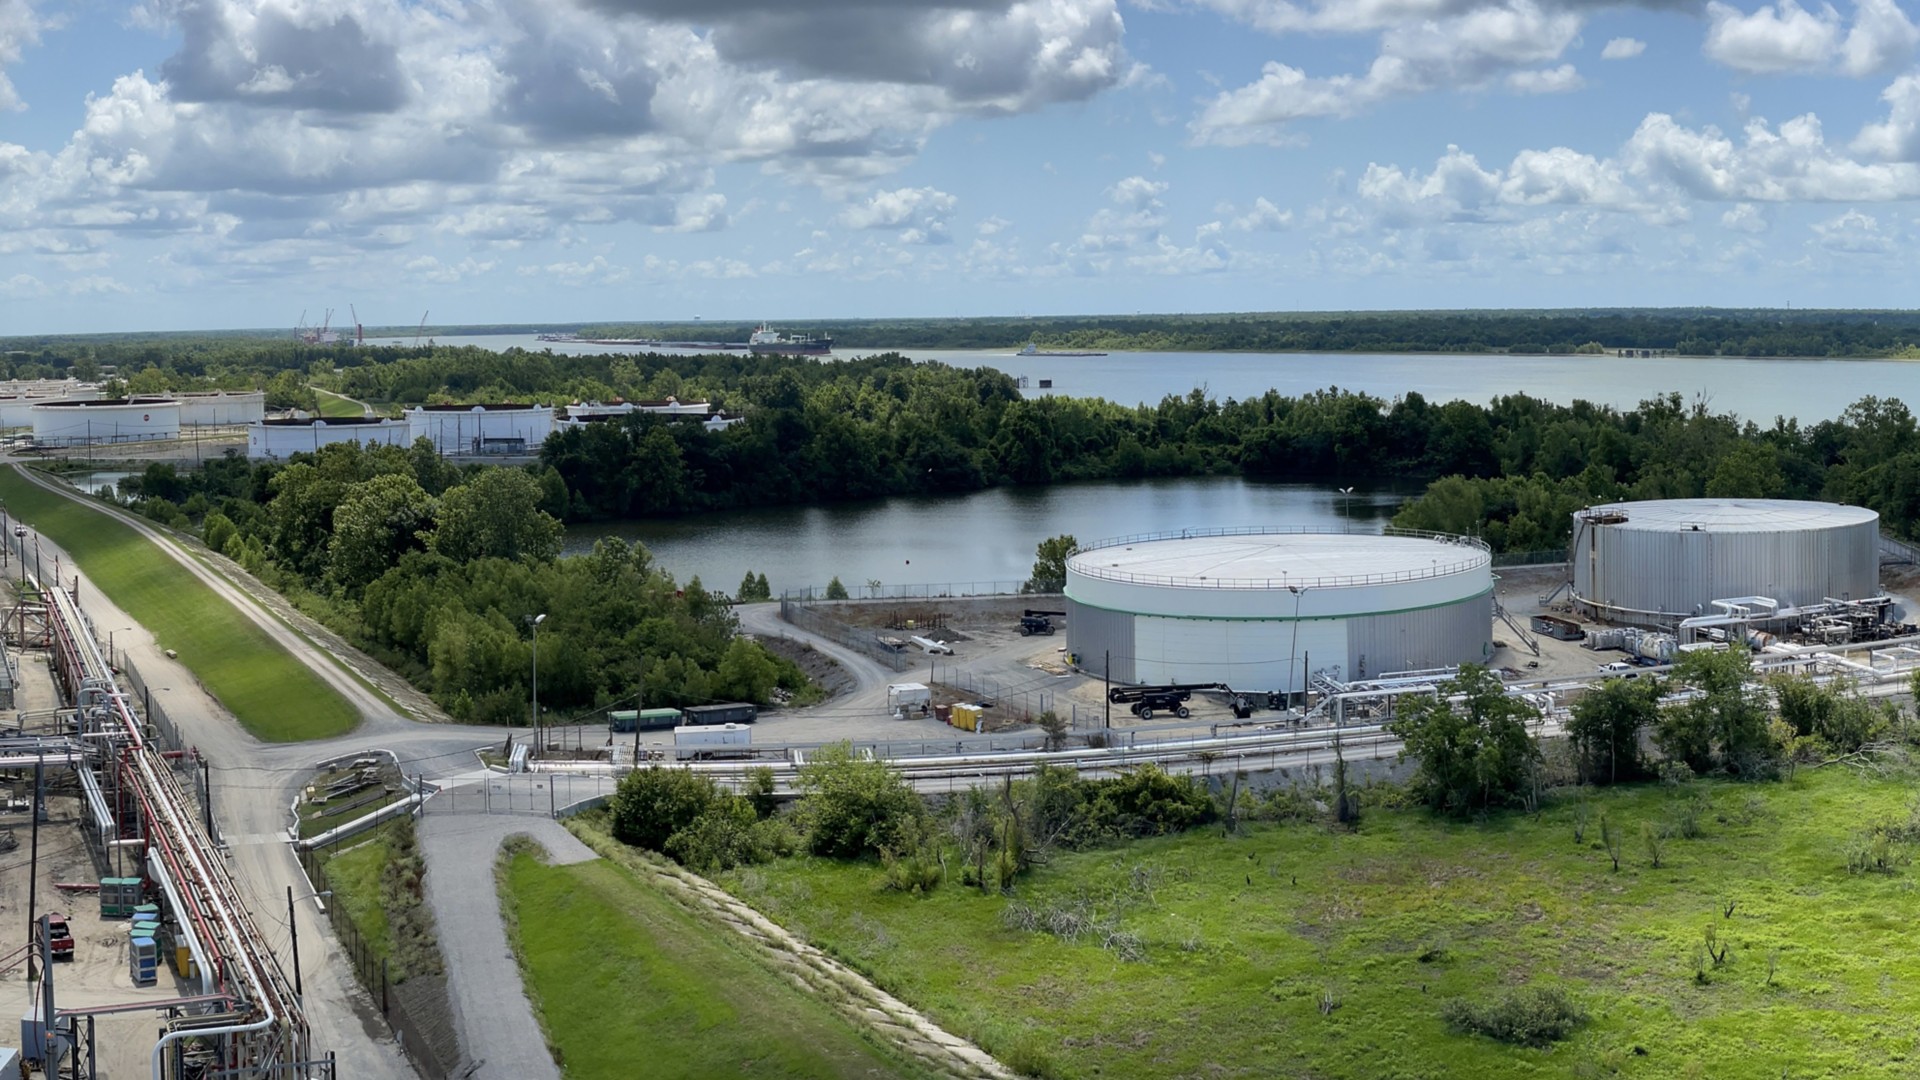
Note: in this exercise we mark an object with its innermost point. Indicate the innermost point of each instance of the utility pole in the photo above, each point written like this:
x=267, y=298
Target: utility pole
x=33, y=863
x=640, y=706
x=1106, y=683
x=536, y=620
x=293, y=928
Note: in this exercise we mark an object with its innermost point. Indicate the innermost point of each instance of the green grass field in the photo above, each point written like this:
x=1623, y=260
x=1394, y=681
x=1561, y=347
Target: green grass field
x=271, y=693
x=627, y=983
x=335, y=405
x=354, y=877
x=1246, y=936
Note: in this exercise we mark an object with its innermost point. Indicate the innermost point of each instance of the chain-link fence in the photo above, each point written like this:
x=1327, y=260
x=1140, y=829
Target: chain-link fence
x=877, y=591
x=816, y=620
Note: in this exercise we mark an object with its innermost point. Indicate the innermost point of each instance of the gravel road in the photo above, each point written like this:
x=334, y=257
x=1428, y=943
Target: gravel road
x=490, y=1010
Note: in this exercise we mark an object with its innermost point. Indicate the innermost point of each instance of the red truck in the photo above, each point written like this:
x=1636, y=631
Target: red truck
x=59, y=937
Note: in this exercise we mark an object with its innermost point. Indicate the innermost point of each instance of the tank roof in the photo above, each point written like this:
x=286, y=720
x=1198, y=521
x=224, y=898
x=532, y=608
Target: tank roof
x=1731, y=515
x=495, y=407
x=1277, y=558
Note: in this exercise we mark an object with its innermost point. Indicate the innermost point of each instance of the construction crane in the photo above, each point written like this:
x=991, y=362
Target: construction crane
x=359, y=332
x=422, y=330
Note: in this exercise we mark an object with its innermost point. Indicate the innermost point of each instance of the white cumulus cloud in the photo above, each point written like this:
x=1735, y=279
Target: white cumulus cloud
x=1623, y=48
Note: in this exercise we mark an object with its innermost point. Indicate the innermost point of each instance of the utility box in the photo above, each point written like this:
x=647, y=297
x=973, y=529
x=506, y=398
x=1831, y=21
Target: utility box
x=119, y=896
x=733, y=712
x=705, y=742
x=9, y=1063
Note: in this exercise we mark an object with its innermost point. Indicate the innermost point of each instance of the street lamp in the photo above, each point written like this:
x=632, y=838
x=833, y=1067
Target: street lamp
x=293, y=928
x=110, y=634
x=535, y=621
x=1293, y=654
x=1346, y=516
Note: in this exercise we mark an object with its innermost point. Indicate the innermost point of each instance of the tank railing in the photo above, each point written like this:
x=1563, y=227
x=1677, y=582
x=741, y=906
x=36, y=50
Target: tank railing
x=1484, y=558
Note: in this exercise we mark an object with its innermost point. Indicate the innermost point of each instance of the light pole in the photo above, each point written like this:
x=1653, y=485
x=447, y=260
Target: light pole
x=293, y=928
x=110, y=634
x=1293, y=653
x=535, y=621
x=1346, y=516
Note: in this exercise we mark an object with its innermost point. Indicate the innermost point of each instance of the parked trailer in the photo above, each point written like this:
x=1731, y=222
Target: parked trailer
x=732, y=712
x=626, y=721
x=912, y=695
x=1143, y=700
x=708, y=742
x=1556, y=627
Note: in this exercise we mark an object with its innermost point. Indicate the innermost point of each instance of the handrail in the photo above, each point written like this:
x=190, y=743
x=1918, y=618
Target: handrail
x=1483, y=557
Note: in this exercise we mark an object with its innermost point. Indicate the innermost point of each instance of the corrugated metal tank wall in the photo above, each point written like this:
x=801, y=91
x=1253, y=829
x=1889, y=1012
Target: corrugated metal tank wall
x=1093, y=633
x=1646, y=570
x=1414, y=640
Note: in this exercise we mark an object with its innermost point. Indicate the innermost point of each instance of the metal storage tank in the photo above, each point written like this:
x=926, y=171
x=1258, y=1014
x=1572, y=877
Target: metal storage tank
x=483, y=429
x=1261, y=609
x=275, y=439
x=1660, y=561
x=223, y=408
x=113, y=420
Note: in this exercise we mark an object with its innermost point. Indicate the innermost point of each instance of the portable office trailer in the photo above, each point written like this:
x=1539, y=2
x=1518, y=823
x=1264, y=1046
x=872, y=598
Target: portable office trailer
x=711, y=741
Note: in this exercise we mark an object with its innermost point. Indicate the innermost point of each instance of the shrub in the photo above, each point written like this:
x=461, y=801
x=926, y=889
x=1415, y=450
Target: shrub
x=855, y=806
x=653, y=804
x=721, y=838
x=1529, y=1016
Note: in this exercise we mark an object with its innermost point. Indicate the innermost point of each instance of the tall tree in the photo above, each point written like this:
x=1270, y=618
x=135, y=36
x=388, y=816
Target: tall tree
x=1470, y=741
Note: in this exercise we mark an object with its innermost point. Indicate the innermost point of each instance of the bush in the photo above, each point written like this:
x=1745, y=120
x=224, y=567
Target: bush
x=653, y=804
x=1529, y=1016
x=855, y=806
x=722, y=837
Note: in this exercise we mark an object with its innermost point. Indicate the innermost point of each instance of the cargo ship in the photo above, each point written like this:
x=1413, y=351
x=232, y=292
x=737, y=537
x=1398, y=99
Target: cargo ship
x=767, y=341
x=1035, y=350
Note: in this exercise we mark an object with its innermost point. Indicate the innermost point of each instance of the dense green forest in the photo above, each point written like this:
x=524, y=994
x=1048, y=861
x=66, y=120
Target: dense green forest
x=1686, y=331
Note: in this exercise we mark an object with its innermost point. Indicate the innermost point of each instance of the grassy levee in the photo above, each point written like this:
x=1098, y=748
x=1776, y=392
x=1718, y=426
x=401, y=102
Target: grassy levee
x=335, y=405
x=1248, y=939
x=627, y=983
x=271, y=693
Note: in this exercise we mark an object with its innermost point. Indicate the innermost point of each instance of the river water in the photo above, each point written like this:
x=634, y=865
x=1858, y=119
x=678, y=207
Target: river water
x=1758, y=390
x=990, y=536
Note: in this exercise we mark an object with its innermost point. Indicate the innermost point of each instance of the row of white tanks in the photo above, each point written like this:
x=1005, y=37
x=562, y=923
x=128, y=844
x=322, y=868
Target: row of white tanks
x=1663, y=647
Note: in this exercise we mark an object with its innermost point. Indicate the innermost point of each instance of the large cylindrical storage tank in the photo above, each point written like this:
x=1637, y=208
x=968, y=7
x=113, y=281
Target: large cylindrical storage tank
x=113, y=420
x=1262, y=609
x=278, y=439
x=1663, y=560
x=223, y=408
x=483, y=429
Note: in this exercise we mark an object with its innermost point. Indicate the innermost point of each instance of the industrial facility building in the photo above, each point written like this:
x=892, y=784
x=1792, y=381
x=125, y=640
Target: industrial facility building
x=278, y=439
x=113, y=420
x=482, y=429
x=1265, y=609
x=1660, y=562
x=222, y=408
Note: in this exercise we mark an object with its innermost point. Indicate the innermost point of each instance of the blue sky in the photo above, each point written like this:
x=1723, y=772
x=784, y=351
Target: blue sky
x=179, y=164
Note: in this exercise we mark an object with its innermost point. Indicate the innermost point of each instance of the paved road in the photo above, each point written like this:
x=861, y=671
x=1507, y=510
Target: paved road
x=490, y=1012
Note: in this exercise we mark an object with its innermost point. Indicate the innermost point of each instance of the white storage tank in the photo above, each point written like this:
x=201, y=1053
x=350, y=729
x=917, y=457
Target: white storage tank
x=483, y=429
x=111, y=420
x=1661, y=561
x=279, y=439
x=1261, y=609
x=223, y=408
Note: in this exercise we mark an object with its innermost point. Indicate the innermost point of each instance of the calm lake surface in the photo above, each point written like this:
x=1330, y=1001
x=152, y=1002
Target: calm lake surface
x=990, y=536
x=987, y=536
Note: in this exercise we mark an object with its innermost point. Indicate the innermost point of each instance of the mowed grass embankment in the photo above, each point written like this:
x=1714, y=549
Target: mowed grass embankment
x=333, y=406
x=1248, y=938
x=627, y=983
x=271, y=693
